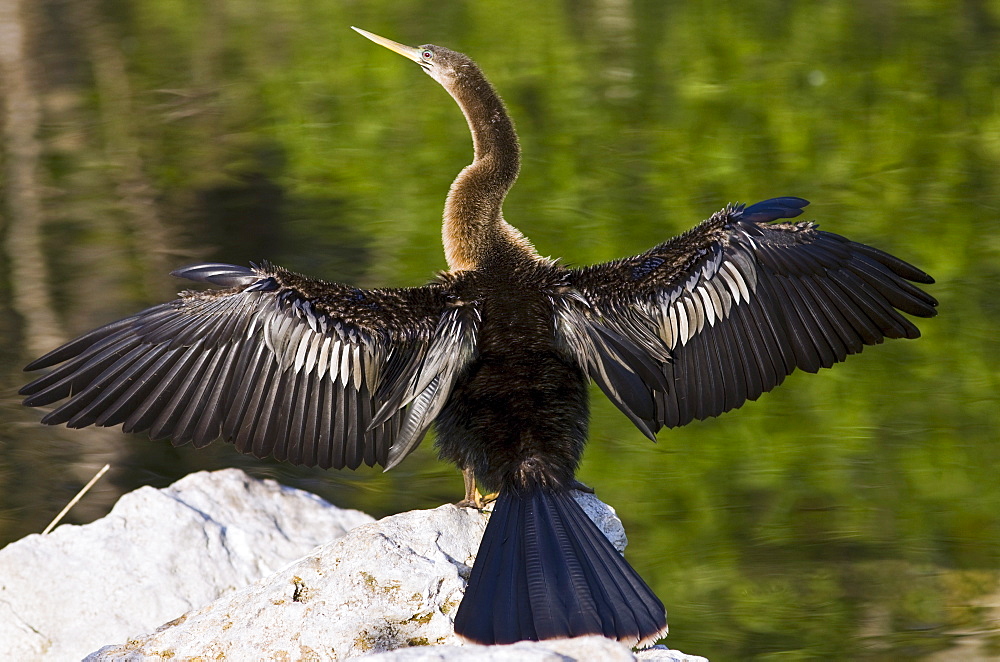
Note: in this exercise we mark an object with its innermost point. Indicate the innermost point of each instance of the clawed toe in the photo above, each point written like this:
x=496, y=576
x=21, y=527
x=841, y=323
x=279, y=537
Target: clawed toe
x=477, y=500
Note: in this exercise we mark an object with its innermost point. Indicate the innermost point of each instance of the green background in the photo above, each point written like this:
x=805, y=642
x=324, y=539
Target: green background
x=853, y=514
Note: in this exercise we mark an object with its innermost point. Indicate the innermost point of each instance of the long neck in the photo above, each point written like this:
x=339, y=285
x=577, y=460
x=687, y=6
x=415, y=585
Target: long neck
x=474, y=230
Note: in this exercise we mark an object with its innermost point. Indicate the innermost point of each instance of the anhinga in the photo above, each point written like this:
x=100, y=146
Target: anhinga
x=497, y=353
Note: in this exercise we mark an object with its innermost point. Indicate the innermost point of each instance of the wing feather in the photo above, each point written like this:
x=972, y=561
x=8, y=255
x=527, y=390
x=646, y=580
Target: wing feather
x=237, y=425
x=738, y=303
x=139, y=384
x=326, y=440
x=196, y=402
x=105, y=387
x=276, y=363
x=310, y=419
x=183, y=382
x=210, y=419
x=352, y=456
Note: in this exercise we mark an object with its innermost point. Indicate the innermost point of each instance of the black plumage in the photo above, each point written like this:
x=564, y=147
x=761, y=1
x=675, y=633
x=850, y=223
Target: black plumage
x=497, y=353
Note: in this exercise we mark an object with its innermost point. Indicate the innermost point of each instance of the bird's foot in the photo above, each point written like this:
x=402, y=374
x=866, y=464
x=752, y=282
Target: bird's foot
x=477, y=500
x=577, y=485
x=473, y=497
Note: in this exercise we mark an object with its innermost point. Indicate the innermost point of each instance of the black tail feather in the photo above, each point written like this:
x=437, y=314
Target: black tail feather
x=545, y=571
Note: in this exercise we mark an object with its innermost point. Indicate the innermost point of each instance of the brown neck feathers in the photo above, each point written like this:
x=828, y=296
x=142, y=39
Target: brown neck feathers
x=474, y=230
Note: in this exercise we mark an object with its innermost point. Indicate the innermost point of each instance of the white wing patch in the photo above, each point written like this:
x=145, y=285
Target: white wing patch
x=318, y=348
x=704, y=300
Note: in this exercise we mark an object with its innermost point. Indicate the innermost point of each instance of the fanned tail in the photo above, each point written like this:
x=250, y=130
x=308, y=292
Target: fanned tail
x=545, y=571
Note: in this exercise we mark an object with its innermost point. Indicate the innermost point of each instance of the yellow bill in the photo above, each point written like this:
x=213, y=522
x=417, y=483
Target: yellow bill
x=408, y=52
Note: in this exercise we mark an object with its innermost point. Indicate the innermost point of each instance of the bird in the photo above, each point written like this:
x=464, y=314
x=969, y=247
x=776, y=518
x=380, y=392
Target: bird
x=497, y=354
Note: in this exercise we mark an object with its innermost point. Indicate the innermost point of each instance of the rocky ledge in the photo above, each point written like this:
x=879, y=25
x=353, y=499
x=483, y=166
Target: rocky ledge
x=224, y=566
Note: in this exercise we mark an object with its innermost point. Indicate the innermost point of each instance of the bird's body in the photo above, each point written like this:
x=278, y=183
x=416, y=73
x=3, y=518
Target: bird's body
x=497, y=353
x=523, y=397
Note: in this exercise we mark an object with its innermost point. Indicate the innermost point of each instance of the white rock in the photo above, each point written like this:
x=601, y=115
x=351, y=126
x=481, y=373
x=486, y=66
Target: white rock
x=385, y=591
x=391, y=584
x=556, y=650
x=394, y=584
x=664, y=654
x=157, y=555
x=584, y=649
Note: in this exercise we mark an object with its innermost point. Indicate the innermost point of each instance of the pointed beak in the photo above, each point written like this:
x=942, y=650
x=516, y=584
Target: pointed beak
x=409, y=52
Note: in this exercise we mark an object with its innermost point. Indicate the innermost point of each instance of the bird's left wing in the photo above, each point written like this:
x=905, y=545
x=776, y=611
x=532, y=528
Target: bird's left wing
x=727, y=310
x=278, y=364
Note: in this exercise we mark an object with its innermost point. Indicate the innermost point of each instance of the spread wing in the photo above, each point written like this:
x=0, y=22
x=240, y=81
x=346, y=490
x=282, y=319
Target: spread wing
x=728, y=309
x=278, y=364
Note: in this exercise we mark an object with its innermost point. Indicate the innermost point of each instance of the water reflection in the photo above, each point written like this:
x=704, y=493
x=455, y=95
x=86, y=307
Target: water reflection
x=852, y=514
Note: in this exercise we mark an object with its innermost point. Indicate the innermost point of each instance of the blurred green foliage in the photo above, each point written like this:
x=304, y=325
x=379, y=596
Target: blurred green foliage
x=853, y=514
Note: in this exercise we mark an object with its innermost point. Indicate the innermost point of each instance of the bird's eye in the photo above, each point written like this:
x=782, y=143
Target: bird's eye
x=427, y=55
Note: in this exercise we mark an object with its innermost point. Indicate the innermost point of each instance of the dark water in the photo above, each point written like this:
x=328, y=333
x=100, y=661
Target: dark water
x=853, y=514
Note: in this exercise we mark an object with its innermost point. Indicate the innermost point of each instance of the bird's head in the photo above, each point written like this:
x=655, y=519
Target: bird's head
x=442, y=64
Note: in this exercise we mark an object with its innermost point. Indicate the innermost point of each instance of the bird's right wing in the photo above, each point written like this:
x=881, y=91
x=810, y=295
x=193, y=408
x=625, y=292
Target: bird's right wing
x=723, y=313
x=278, y=364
